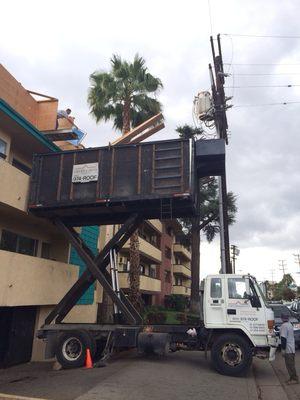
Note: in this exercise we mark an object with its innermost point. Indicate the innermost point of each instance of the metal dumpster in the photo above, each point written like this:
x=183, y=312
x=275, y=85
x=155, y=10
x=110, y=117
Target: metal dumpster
x=105, y=185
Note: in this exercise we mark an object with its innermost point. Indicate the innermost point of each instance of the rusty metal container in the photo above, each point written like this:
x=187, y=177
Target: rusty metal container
x=105, y=185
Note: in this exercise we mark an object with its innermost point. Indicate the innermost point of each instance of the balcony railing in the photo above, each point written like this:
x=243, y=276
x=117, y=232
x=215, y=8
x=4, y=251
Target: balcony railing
x=27, y=280
x=183, y=251
x=146, y=249
x=182, y=270
x=14, y=186
x=186, y=291
x=147, y=283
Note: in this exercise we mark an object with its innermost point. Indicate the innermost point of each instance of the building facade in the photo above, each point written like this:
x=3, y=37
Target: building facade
x=164, y=261
x=37, y=266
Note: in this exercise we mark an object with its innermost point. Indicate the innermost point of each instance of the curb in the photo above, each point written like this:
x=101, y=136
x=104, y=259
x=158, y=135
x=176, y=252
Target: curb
x=4, y=396
x=268, y=385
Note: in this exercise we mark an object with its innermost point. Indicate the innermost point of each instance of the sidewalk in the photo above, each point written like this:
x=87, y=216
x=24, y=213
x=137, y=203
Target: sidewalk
x=293, y=391
x=268, y=385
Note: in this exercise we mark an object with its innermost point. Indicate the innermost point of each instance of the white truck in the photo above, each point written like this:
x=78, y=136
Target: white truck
x=237, y=325
x=132, y=183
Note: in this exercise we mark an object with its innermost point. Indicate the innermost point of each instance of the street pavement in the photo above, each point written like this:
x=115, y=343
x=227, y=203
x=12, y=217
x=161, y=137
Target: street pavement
x=180, y=375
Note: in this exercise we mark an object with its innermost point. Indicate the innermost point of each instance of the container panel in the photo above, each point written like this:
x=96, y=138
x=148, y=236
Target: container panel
x=48, y=179
x=125, y=172
x=168, y=168
x=85, y=191
x=146, y=169
x=186, y=173
x=105, y=173
x=132, y=178
x=66, y=176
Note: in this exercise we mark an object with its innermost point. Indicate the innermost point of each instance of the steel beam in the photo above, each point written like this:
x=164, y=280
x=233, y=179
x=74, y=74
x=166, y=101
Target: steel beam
x=100, y=262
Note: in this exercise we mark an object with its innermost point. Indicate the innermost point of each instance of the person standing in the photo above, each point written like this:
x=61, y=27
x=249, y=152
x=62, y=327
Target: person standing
x=288, y=348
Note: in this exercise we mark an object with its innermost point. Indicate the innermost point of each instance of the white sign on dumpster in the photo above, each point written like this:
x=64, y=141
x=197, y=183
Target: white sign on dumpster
x=83, y=173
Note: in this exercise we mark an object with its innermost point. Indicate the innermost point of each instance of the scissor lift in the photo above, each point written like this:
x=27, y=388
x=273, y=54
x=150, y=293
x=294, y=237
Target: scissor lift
x=68, y=341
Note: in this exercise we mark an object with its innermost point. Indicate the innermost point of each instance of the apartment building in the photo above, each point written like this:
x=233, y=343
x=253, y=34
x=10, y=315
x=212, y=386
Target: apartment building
x=150, y=233
x=37, y=266
x=164, y=260
x=180, y=259
x=181, y=268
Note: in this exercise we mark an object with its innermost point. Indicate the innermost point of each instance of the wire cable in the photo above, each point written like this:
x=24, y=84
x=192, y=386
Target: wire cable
x=261, y=64
x=262, y=36
x=260, y=86
x=285, y=103
x=269, y=74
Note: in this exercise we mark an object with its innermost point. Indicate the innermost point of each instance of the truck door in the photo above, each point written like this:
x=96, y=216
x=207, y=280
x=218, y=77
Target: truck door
x=243, y=305
x=214, y=306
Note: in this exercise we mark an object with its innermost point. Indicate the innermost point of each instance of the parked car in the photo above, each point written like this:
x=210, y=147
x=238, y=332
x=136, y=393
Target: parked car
x=282, y=309
x=295, y=308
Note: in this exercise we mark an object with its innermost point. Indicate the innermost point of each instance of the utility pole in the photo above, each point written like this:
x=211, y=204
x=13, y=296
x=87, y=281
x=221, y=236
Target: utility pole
x=297, y=261
x=217, y=86
x=272, y=270
x=235, y=251
x=282, y=266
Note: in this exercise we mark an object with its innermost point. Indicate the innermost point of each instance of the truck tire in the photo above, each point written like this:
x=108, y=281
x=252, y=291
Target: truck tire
x=231, y=355
x=71, y=348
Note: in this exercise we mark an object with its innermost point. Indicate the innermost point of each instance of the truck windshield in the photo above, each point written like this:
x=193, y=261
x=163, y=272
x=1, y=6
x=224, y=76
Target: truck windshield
x=261, y=293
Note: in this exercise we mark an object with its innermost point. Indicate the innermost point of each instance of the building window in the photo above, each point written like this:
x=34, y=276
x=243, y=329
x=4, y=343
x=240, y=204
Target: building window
x=168, y=276
x=22, y=167
x=11, y=241
x=3, y=147
x=152, y=272
x=45, y=253
x=178, y=281
x=143, y=269
x=168, y=253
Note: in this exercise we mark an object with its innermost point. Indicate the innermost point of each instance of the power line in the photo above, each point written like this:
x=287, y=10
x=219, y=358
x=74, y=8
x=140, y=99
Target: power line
x=260, y=86
x=267, y=74
x=267, y=104
x=262, y=36
x=261, y=64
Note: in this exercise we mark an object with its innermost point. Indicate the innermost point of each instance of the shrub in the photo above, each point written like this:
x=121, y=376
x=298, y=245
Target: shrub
x=158, y=317
x=176, y=302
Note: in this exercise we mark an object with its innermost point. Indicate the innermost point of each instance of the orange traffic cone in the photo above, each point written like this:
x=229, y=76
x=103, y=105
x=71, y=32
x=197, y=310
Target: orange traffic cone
x=88, y=359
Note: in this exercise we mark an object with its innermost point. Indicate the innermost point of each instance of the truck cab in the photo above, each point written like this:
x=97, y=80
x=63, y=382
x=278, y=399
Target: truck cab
x=238, y=319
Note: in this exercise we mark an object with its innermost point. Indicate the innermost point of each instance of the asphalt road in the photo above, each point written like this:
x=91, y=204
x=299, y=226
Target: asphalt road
x=180, y=375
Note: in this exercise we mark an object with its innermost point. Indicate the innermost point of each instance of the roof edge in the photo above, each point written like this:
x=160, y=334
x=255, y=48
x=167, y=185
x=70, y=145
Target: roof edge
x=31, y=129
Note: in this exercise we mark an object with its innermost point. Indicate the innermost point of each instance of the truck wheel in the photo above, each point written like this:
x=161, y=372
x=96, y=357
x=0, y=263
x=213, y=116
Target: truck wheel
x=71, y=348
x=231, y=355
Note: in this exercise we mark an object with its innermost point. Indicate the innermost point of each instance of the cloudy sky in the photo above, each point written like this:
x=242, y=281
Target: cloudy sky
x=53, y=47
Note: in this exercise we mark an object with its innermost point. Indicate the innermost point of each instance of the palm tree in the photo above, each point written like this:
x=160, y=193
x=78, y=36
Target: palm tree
x=126, y=95
x=122, y=95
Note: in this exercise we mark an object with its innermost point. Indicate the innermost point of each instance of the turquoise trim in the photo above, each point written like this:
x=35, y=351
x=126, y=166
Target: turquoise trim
x=90, y=235
x=27, y=125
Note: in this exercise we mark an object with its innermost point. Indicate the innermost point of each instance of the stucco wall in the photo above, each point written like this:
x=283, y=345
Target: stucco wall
x=26, y=280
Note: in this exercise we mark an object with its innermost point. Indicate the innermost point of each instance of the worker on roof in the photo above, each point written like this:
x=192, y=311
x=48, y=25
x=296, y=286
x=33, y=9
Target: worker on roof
x=64, y=114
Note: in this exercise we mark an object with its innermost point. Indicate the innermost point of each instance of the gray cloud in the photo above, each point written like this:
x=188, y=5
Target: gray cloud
x=263, y=155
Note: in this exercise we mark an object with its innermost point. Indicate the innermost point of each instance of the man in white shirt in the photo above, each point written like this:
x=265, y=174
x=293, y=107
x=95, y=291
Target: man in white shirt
x=288, y=348
x=64, y=114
